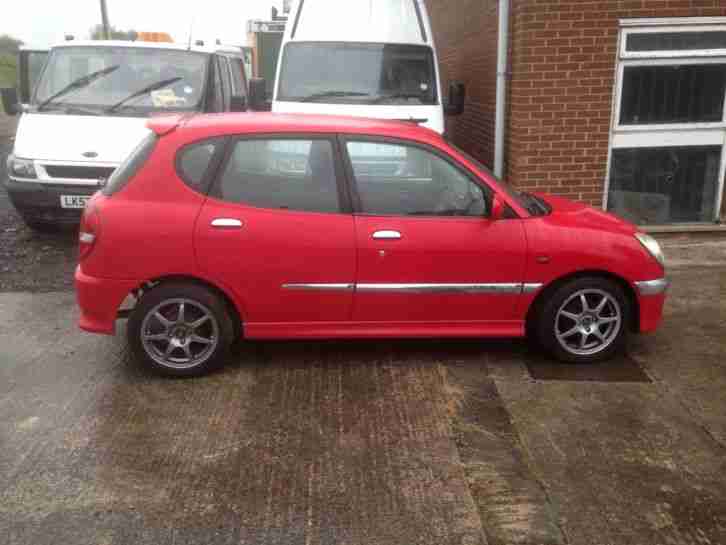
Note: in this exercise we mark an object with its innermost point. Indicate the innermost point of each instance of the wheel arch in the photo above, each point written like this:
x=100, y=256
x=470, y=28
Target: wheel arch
x=551, y=287
x=235, y=312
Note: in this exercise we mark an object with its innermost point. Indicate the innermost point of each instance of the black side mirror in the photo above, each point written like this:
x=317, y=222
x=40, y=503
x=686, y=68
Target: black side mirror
x=10, y=100
x=457, y=98
x=258, y=95
x=237, y=103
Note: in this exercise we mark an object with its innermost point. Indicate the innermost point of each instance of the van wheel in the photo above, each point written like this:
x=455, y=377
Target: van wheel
x=584, y=321
x=180, y=330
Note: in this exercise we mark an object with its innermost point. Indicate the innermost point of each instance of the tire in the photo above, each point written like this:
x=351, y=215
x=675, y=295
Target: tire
x=175, y=348
x=563, y=321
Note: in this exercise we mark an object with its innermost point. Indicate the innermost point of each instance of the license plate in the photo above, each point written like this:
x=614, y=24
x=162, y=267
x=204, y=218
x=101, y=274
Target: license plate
x=74, y=201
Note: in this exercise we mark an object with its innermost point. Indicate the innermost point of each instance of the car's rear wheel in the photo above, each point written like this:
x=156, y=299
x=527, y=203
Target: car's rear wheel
x=584, y=321
x=180, y=330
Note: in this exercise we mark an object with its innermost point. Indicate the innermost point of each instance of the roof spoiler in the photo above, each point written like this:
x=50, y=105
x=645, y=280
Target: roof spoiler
x=163, y=124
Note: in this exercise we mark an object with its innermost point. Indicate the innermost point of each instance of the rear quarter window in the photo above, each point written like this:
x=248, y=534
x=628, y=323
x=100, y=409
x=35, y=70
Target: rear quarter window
x=193, y=162
x=130, y=166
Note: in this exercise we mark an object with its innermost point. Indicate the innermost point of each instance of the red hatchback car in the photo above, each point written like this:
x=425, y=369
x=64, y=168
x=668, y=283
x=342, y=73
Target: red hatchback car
x=268, y=226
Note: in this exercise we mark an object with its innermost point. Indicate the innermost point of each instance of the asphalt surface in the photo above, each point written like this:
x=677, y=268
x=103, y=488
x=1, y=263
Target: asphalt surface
x=424, y=442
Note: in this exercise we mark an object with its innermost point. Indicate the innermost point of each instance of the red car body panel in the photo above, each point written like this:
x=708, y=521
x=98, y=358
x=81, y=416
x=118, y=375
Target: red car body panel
x=157, y=227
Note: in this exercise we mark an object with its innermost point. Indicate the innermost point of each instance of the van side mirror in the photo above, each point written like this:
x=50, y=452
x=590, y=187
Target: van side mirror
x=258, y=95
x=237, y=103
x=498, y=208
x=10, y=100
x=457, y=98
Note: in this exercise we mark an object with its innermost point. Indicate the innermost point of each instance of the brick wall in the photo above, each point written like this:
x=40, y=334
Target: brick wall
x=563, y=56
x=465, y=32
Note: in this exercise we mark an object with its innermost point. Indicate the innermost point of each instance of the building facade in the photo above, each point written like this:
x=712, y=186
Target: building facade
x=617, y=103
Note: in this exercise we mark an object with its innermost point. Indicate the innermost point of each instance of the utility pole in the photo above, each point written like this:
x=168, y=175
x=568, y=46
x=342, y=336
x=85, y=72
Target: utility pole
x=104, y=21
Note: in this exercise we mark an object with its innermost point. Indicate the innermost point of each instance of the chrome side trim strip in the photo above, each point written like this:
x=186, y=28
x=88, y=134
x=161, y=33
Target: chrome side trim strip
x=442, y=288
x=653, y=287
x=531, y=288
x=319, y=287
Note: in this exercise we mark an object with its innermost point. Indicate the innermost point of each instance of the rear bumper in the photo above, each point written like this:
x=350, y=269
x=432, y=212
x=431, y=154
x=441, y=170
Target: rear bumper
x=651, y=298
x=37, y=201
x=99, y=300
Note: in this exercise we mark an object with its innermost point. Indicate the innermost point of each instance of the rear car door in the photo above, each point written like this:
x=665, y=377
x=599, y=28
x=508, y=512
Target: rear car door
x=277, y=229
x=427, y=250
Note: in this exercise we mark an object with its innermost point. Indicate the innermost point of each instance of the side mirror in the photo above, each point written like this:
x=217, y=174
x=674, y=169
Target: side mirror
x=237, y=103
x=10, y=100
x=498, y=208
x=457, y=99
x=258, y=94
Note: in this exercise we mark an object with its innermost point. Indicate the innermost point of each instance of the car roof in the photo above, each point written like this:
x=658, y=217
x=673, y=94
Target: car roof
x=210, y=125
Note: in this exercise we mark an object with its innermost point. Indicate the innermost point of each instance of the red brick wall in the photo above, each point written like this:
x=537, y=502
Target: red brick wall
x=563, y=73
x=465, y=32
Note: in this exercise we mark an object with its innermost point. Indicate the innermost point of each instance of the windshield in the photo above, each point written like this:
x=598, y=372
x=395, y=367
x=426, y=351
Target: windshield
x=352, y=73
x=533, y=204
x=117, y=74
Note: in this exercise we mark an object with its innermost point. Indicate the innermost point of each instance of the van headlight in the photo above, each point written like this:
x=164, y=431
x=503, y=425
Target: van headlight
x=21, y=168
x=650, y=244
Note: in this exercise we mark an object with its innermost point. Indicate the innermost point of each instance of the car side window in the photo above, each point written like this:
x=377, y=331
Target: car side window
x=223, y=65
x=284, y=174
x=238, y=77
x=407, y=180
x=216, y=96
x=194, y=160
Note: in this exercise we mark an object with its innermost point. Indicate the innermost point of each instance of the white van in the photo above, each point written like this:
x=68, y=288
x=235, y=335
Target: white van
x=88, y=111
x=367, y=58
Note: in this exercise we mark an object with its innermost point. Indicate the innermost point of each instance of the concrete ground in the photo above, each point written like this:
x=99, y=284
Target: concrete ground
x=426, y=442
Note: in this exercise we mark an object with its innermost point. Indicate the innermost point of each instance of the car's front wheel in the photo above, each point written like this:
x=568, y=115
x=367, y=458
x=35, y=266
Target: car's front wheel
x=584, y=321
x=180, y=330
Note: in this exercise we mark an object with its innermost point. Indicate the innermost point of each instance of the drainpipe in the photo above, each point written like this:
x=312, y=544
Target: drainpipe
x=502, y=75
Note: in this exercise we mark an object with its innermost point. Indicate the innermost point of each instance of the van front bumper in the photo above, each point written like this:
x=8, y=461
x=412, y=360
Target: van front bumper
x=41, y=202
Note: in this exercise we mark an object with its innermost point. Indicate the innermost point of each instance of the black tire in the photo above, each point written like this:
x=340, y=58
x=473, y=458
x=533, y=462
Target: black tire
x=198, y=301
x=42, y=226
x=549, y=317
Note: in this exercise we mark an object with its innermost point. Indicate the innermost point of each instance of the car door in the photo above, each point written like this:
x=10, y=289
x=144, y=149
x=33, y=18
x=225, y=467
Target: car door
x=277, y=229
x=427, y=250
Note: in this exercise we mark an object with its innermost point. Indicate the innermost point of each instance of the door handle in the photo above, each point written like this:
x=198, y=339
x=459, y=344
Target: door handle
x=386, y=235
x=226, y=223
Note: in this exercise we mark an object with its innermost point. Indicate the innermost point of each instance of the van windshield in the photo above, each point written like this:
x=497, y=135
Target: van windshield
x=357, y=73
x=124, y=80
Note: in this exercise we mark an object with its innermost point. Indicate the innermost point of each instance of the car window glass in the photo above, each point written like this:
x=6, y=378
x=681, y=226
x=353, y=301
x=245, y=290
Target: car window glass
x=130, y=166
x=216, y=98
x=225, y=77
x=281, y=174
x=238, y=79
x=394, y=179
x=194, y=160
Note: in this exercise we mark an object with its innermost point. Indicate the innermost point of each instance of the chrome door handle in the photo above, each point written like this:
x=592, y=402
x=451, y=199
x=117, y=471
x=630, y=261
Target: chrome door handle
x=387, y=235
x=226, y=223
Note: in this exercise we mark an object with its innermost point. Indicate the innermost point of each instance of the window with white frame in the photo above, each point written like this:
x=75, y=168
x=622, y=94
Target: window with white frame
x=668, y=156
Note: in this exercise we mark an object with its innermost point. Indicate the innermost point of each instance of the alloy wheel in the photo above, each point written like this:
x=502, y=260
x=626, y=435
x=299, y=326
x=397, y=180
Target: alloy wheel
x=588, y=322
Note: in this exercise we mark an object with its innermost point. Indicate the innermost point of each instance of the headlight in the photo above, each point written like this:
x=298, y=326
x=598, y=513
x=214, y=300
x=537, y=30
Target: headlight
x=650, y=244
x=21, y=168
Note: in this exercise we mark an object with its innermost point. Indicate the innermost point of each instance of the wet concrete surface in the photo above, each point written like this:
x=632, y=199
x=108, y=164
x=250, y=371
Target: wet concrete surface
x=425, y=442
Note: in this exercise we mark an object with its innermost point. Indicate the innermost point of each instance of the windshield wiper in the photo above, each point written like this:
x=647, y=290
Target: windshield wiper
x=79, y=83
x=395, y=96
x=332, y=94
x=146, y=90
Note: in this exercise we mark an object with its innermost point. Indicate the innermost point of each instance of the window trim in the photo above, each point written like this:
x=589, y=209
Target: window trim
x=487, y=190
x=665, y=135
x=345, y=207
x=205, y=183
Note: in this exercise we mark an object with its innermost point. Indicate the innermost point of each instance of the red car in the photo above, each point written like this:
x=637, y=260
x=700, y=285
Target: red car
x=269, y=226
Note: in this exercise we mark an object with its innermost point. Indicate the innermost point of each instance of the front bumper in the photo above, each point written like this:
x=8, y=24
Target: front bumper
x=99, y=300
x=37, y=201
x=651, y=299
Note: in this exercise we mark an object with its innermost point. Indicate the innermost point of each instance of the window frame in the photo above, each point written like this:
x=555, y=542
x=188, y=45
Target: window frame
x=344, y=139
x=665, y=135
x=344, y=202
x=213, y=167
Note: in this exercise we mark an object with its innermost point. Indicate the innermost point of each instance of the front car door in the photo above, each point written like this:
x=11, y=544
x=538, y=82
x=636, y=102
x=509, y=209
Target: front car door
x=429, y=258
x=277, y=229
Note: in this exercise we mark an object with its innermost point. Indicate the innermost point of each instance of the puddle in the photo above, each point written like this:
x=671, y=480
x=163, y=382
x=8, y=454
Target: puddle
x=620, y=369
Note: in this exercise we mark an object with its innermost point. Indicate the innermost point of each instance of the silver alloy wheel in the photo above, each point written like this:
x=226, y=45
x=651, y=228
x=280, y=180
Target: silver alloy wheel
x=588, y=322
x=179, y=333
